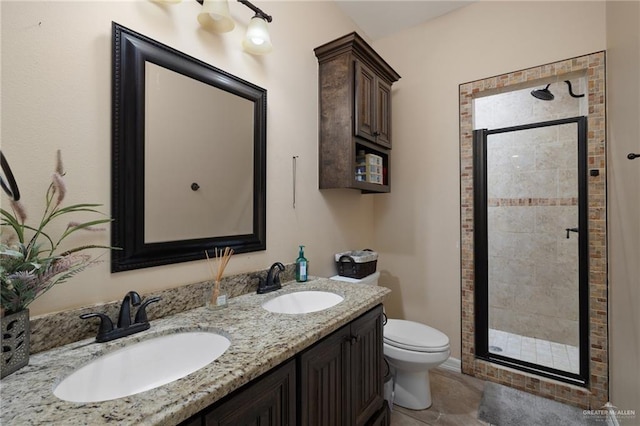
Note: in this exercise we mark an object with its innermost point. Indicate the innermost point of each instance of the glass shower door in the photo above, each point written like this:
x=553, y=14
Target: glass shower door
x=533, y=266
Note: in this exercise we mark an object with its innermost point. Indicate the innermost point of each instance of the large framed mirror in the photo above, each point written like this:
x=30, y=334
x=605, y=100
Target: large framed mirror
x=189, y=156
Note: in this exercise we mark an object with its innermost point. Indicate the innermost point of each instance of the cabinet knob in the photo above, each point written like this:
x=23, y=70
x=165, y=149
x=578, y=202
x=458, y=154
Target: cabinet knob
x=376, y=134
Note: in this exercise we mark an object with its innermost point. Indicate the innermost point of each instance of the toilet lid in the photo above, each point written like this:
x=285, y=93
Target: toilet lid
x=414, y=336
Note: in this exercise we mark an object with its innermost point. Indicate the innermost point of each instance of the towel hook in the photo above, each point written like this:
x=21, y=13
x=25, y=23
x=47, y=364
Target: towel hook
x=295, y=171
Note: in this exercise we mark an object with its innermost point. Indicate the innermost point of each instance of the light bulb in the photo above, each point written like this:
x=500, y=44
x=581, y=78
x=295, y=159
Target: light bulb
x=215, y=16
x=257, y=39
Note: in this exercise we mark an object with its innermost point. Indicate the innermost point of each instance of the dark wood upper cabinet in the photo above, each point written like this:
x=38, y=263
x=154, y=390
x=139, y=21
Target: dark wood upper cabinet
x=355, y=112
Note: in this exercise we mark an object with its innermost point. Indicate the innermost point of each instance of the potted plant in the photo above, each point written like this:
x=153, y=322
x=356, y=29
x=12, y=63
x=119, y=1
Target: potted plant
x=31, y=261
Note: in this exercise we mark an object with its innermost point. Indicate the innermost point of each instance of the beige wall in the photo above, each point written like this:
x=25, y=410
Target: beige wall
x=623, y=87
x=56, y=93
x=417, y=225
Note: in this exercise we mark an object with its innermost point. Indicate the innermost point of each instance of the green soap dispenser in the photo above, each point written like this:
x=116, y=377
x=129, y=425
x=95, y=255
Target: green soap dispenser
x=301, y=266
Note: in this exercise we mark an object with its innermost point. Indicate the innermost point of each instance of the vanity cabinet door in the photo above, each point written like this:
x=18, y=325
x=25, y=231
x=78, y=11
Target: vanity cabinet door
x=382, y=417
x=367, y=364
x=341, y=377
x=325, y=381
x=268, y=401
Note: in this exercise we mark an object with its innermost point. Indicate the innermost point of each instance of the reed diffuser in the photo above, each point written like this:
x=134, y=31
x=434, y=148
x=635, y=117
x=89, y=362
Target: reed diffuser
x=216, y=267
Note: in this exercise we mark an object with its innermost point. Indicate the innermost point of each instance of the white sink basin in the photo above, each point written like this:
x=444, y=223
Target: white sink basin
x=302, y=302
x=142, y=366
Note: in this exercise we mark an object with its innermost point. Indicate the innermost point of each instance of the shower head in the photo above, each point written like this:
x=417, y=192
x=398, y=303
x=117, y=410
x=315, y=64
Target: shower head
x=543, y=94
x=546, y=95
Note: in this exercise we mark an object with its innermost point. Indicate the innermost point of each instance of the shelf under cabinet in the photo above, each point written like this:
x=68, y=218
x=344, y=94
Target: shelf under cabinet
x=368, y=187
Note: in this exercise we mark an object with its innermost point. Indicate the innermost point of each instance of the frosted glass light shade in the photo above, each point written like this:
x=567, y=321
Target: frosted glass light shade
x=257, y=39
x=215, y=16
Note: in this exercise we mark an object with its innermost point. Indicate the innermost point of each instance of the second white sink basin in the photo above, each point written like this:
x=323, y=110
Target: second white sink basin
x=302, y=302
x=142, y=366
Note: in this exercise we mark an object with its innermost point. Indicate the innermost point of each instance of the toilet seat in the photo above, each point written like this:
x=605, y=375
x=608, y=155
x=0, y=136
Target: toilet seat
x=414, y=336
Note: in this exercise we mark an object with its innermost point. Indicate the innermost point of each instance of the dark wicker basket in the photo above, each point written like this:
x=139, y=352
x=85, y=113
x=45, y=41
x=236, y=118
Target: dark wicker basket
x=349, y=267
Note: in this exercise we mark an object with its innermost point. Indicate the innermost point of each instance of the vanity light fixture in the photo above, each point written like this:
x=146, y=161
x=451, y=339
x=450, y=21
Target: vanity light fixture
x=215, y=16
x=257, y=40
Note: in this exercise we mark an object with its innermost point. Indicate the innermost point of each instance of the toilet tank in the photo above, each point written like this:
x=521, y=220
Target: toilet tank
x=369, y=279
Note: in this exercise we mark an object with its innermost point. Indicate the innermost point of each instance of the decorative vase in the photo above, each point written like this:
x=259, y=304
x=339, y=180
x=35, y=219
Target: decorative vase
x=216, y=299
x=15, y=342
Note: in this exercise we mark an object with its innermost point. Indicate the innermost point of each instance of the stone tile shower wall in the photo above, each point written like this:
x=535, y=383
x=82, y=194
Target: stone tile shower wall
x=592, y=68
x=534, y=287
x=532, y=197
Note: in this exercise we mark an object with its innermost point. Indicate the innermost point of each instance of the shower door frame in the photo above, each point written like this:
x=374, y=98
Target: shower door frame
x=481, y=294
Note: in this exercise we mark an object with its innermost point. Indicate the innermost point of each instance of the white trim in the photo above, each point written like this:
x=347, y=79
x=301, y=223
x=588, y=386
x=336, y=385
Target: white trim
x=452, y=364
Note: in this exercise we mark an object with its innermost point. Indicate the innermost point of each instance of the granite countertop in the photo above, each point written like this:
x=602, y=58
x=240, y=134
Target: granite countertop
x=260, y=340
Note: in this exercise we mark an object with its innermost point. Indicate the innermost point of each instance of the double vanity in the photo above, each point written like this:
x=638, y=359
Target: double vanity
x=263, y=353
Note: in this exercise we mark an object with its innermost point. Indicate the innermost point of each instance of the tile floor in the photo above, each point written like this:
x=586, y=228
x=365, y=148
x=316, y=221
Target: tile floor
x=539, y=351
x=456, y=398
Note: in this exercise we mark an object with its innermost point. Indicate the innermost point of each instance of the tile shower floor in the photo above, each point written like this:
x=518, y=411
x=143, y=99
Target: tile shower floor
x=542, y=352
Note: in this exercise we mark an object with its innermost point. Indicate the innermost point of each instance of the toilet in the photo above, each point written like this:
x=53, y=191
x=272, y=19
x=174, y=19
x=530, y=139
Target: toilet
x=411, y=349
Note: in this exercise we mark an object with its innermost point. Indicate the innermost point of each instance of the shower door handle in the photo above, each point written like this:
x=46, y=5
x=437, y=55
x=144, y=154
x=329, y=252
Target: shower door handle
x=571, y=230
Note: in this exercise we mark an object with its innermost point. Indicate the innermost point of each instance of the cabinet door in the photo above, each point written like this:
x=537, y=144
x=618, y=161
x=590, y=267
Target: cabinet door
x=382, y=417
x=365, y=98
x=372, y=106
x=324, y=381
x=366, y=367
x=383, y=114
x=269, y=401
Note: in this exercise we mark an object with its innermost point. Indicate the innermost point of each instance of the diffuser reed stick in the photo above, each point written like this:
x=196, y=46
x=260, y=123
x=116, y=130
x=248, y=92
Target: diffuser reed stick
x=216, y=267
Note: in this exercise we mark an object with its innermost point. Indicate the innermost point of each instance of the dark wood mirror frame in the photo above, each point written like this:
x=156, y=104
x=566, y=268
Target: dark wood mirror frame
x=130, y=52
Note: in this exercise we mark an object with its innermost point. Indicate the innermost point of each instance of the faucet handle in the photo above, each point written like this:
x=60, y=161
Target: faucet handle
x=261, y=283
x=275, y=280
x=141, y=314
x=106, y=325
